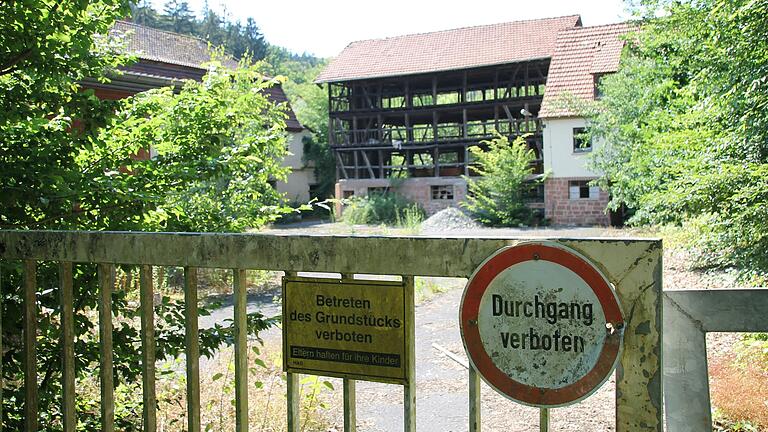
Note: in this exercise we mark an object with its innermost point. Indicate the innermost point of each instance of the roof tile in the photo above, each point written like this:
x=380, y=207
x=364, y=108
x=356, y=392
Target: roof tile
x=581, y=54
x=461, y=48
x=154, y=46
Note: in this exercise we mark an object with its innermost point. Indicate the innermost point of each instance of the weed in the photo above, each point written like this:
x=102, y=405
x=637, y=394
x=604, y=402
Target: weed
x=425, y=288
x=266, y=394
x=740, y=392
x=382, y=208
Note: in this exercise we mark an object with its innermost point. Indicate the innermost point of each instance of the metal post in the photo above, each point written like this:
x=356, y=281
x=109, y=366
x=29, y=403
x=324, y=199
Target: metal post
x=474, y=400
x=241, y=349
x=192, y=349
x=293, y=395
x=350, y=390
x=544, y=420
x=148, y=347
x=30, y=346
x=409, y=391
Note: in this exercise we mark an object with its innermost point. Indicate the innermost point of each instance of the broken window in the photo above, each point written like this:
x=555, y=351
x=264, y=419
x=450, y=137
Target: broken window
x=442, y=192
x=581, y=141
x=580, y=189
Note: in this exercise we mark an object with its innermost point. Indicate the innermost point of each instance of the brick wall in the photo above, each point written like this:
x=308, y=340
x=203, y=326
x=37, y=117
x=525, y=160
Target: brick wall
x=415, y=189
x=561, y=210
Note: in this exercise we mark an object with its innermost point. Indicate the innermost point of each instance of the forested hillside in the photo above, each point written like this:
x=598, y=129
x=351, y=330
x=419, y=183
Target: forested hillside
x=241, y=39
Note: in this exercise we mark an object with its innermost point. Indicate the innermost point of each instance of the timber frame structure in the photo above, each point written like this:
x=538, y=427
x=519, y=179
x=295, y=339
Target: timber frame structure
x=423, y=125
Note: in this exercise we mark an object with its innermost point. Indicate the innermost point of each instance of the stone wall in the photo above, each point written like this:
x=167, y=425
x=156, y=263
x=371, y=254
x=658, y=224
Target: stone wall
x=415, y=189
x=560, y=209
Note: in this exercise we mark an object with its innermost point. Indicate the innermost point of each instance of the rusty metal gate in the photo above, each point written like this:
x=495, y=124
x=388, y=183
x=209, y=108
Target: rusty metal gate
x=633, y=266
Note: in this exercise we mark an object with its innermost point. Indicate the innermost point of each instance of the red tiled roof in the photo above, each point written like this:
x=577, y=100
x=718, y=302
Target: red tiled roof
x=581, y=54
x=173, y=55
x=148, y=43
x=461, y=48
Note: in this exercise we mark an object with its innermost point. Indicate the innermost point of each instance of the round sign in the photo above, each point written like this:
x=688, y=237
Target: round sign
x=541, y=324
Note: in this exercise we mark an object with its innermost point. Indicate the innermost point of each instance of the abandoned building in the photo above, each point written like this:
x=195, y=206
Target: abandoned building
x=164, y=59
x=405, y=110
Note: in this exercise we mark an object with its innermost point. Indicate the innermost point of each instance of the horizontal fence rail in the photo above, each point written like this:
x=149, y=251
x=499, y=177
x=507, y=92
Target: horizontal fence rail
x=422, y=256
x=632, y=265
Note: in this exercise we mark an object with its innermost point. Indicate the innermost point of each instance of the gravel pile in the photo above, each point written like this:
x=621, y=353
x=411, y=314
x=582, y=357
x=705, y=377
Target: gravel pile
x=449, y=219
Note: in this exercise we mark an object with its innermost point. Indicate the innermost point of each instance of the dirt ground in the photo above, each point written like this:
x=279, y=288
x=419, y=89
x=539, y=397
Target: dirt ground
x=442, y=399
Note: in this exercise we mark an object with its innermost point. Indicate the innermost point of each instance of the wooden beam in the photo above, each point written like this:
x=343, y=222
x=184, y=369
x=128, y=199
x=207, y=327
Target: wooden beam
x=463, y=98
x=356, y=165
x=434, y=90
x=466, y=160
x=368, y=163
x=408, y=129
x=356, y=138
x=340, y=164
x=464, y=123
x=436, y=161
x=381, y=167
x=408, y=100
x=434, y=126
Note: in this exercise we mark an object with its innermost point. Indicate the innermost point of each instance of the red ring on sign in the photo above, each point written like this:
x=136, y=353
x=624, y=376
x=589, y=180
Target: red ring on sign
x=470, y=307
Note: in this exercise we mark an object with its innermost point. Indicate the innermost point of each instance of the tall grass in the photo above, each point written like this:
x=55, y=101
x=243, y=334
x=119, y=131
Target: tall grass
x=388, y=209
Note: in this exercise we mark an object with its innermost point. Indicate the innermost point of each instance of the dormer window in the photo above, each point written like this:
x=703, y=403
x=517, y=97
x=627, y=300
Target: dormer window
x=597, y=79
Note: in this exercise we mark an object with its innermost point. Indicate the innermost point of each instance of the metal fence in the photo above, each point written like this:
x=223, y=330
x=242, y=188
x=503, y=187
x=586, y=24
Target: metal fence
x=633, y=266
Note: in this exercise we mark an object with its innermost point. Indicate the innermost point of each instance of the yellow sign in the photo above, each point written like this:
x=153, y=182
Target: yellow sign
x=351, y=328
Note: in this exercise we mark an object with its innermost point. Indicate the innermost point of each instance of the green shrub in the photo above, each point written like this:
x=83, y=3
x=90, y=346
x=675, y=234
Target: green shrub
x=387, y=208
x=496, y=198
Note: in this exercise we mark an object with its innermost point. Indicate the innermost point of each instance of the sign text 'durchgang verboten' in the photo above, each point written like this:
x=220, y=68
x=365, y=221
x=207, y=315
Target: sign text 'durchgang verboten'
x=541, y=324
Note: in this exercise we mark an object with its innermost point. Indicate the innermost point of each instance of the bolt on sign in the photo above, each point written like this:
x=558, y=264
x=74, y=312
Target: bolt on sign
x=541, y=324
x=345, y=328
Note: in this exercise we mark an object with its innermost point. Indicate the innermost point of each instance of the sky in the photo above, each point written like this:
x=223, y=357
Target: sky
x=324, y=28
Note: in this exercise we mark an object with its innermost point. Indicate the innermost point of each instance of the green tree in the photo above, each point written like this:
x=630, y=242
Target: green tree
x=178, y=17
x=143, y=13
x=496, y=198
x=68, y=163
x=217, y=144
x=685, y=125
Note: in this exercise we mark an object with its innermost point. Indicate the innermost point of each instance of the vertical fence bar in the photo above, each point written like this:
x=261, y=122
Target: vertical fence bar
x=474, y=400
x=106, y=285
x=67, y=346
x=349, y=390
x=409, y=391
x=293, y=393
x=192, y=347
x=30, y=346
x=149, y=411
x=2, y=381
x=350, y=405
x=543, y=419
x=241, y=351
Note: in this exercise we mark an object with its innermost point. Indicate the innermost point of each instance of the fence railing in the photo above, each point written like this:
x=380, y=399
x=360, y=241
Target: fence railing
x=633, y=266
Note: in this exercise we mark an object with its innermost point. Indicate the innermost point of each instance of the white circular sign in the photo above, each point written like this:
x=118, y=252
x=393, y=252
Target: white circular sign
x=541, y=324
